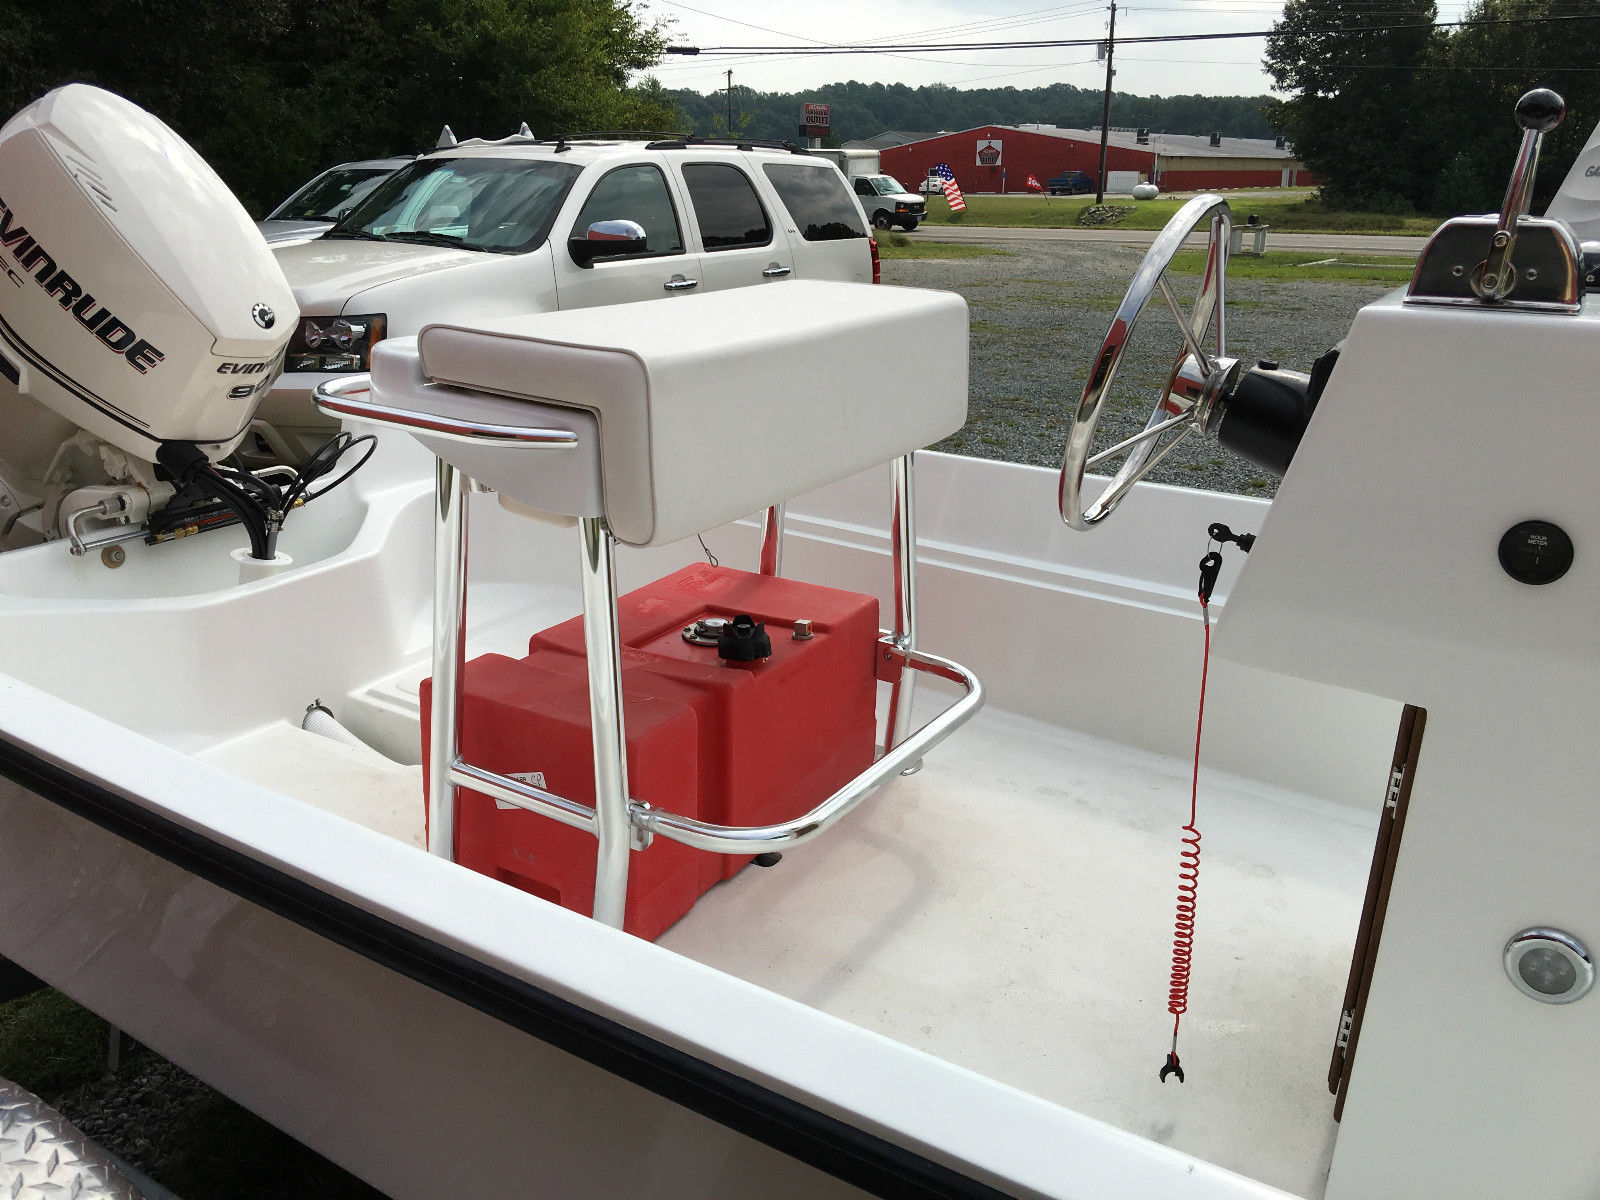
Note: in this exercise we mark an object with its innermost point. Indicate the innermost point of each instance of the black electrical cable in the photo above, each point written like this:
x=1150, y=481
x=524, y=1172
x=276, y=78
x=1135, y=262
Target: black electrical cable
x=323, y=461
x=260, y=504
x=250, y=511
x=17, y=516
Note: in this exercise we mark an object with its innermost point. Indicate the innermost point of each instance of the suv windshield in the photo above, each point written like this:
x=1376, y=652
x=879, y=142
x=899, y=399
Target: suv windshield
x=328, y=197
x=501, y=205
x=885, y=185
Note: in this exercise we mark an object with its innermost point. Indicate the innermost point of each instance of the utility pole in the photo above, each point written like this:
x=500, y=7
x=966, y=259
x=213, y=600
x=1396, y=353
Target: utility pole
x=1105, y=110
x=730, y=103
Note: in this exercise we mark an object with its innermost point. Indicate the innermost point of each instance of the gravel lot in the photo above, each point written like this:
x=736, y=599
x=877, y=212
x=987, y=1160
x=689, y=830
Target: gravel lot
x=1039, y=316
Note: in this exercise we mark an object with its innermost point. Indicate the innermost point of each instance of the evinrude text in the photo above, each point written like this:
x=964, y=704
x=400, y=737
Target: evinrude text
x=106, y=326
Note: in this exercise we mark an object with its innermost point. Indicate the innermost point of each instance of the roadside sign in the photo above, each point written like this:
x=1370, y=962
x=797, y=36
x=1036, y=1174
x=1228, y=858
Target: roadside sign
x=815, y=121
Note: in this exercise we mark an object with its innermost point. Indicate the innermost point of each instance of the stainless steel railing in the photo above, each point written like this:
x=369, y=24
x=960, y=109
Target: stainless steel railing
x=619, y=823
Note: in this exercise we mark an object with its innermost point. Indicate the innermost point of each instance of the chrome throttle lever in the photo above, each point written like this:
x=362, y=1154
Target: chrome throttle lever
x=1538, y=112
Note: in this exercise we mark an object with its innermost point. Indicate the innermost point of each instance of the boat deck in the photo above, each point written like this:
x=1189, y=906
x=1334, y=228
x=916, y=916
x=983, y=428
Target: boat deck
x=1009, y=909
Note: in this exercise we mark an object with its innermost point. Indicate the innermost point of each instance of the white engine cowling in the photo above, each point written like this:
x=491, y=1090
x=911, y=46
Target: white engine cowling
x=137, y=299
x=1578, y=201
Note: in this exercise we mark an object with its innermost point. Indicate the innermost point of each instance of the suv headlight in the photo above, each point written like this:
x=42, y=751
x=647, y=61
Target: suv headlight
x=335, y=343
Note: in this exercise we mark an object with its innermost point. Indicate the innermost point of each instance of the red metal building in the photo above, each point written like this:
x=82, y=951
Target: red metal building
x=999, y=158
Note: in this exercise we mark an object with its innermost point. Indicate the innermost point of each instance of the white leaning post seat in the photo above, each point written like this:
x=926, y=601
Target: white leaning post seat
x=656, y=421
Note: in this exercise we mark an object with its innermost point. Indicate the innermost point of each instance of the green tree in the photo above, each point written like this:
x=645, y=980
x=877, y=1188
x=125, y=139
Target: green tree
x=1464, y=186
x=861, y=110
x=1361, y=94
x=720, y=128
x=1484, y=66
x=272, y=91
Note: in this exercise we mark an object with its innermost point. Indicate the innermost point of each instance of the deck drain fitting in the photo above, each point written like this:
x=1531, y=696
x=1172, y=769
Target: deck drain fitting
x=1549, y=966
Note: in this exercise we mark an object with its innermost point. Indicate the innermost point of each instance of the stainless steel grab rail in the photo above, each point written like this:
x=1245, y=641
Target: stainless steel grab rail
x=342, y=397
x=751, y=839
x=757, y=839
x=524, y=795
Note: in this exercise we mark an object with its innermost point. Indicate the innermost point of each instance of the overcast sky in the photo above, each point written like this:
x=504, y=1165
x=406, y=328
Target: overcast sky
x=1223, y=68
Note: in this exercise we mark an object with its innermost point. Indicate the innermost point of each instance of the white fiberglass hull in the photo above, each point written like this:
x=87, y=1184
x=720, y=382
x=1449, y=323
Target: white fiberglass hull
x=438, y=1033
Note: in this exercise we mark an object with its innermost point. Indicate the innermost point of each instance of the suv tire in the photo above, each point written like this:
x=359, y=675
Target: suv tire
x=880, y=220
x=908, y=224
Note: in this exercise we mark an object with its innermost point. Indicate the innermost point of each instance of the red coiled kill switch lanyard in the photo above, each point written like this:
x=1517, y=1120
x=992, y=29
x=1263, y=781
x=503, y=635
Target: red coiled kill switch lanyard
x=1189, y=857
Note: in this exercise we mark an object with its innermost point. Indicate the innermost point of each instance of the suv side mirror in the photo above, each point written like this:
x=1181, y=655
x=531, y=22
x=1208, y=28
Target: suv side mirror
x=608, y=239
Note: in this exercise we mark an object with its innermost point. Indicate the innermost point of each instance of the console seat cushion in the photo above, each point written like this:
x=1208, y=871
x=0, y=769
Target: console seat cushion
x=713, y=407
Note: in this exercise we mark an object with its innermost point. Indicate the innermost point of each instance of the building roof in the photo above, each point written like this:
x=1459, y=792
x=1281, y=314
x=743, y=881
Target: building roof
x=888, y=139
x=1175, y=145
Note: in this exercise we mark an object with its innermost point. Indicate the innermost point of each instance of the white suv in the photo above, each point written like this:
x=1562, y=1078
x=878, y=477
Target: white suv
x=527, y=225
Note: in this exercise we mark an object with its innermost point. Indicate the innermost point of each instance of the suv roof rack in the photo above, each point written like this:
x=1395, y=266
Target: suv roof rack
x=681, y=141
x=560, y=140
x=623, y=135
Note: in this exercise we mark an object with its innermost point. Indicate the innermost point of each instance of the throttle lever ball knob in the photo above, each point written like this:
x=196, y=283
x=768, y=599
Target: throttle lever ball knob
x=1540, y=110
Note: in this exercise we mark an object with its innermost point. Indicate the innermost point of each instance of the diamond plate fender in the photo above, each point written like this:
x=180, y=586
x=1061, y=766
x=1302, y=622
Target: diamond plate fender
x=44, y=1157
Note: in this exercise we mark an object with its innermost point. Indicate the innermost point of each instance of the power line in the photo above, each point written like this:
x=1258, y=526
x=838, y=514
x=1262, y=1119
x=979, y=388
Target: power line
x=1422, y=69
x=822, y=42
x=1043, y=44
x=1016, y=20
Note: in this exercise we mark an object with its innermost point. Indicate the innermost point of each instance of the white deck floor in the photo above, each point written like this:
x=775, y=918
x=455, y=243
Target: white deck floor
x=1010, y=909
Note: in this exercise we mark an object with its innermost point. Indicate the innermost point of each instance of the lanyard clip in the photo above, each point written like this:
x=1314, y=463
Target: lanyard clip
x=1222, y=535
x=1210, y=568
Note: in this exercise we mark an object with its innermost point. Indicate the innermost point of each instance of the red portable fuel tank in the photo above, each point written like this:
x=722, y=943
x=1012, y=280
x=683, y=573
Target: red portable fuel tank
x=729, y=742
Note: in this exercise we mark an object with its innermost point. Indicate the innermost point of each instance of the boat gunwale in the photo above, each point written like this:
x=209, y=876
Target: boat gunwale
x=825, y=1142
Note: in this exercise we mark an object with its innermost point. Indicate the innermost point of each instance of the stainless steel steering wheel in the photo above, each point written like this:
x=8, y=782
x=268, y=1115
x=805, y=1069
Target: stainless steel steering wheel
x=1198, y=378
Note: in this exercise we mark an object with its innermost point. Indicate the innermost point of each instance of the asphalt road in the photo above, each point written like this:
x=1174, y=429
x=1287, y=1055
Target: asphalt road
x=1239, y=197
x=1329, y=243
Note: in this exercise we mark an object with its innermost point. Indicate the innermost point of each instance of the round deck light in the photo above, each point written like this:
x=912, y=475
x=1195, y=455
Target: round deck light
x=1549, y=966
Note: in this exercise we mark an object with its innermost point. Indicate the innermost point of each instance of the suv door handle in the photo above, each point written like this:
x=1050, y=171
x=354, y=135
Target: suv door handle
x=776, y=271
x=679, y=284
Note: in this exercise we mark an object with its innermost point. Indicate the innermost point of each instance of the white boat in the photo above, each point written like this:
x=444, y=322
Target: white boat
x=955, y=984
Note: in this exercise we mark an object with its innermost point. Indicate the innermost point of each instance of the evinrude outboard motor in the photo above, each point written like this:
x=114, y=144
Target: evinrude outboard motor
x=1578, y=204
x=142, y=317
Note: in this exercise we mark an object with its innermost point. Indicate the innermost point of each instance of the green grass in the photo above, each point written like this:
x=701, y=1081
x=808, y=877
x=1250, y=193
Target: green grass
x=898, y=245
x=1290, y=215
x=51, y=1046
x=1345, y=268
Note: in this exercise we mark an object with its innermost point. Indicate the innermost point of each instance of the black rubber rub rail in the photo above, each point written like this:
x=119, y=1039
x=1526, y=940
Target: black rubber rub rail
x=822, y=1141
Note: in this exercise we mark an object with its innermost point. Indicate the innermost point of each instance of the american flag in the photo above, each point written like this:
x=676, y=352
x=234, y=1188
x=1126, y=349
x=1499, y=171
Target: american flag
x=952, y=191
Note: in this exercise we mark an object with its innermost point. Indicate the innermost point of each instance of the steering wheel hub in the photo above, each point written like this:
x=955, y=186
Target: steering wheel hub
x=1196, y=388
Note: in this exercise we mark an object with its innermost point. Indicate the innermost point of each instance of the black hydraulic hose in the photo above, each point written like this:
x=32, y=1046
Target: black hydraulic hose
x=17, y=516
x=185, y=462
x=255, y=518
x=259, y=503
